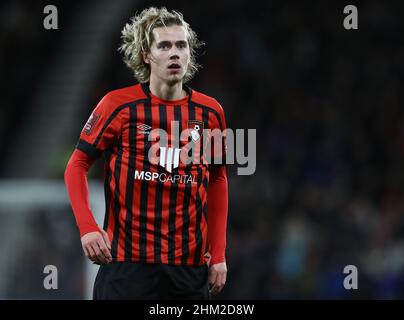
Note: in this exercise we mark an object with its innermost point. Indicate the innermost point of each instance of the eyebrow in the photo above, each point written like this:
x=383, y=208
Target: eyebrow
x=165, y=42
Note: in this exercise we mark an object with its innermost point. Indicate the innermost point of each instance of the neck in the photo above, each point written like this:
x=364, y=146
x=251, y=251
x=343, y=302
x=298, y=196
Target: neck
x=167, y=91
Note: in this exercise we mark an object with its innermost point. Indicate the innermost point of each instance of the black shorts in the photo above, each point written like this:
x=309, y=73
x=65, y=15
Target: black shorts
x=127, y=280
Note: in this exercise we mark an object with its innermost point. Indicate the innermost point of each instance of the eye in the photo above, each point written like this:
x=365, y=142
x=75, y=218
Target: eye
x=164, y=46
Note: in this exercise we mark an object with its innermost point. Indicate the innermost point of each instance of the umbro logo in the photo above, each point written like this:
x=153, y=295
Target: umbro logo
x=144, y=128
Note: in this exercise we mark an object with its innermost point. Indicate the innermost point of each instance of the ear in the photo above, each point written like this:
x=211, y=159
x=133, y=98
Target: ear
x=146, y=58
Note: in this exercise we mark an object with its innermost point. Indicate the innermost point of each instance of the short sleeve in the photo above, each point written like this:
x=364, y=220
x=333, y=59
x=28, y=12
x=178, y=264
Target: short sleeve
x=102, y=128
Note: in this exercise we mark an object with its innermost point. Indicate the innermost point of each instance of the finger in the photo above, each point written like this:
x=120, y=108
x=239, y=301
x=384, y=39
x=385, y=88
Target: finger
x=99, y=256
x=219, y=283
x=212, y=276
x=215, y=287
x=106, y=239
x=224, y=280
x=86, y=252
x=105, y=251
x=91, y=253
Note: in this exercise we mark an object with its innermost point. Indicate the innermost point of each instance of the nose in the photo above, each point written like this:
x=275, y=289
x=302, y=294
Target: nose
x=174, y=53
x=174, y=56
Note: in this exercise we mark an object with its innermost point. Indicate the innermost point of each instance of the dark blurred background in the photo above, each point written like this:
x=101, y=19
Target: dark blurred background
x=325, y=101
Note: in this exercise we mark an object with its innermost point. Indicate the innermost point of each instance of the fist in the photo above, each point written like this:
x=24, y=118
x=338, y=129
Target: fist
x=97, y=247
x=217, y=277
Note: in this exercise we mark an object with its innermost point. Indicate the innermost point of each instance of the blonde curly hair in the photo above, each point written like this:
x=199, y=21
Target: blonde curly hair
x=138, y=37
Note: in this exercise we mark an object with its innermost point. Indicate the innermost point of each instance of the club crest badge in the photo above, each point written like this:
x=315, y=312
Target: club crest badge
x=196, y=129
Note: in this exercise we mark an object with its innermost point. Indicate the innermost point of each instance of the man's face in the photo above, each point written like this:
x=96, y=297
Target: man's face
x=169, y=54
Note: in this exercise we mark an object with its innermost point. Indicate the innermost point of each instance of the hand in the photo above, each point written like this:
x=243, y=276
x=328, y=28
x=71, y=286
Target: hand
x=217, y=277
x=97, y=247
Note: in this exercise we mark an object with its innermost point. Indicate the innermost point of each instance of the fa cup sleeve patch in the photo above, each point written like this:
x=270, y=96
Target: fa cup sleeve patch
x=90, y=124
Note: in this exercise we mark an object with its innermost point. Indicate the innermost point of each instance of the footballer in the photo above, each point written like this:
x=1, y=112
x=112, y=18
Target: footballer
x=164, y=233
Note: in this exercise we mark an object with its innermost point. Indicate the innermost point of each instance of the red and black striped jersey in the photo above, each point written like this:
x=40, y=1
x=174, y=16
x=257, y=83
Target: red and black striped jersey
x=155, y=210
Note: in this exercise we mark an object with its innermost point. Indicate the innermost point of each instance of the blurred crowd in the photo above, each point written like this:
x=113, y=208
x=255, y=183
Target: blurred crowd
x=26, y=50
x=325, y=101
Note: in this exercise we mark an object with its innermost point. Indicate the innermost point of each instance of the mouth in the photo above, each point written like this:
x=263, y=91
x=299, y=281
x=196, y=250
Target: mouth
x=174, y=66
